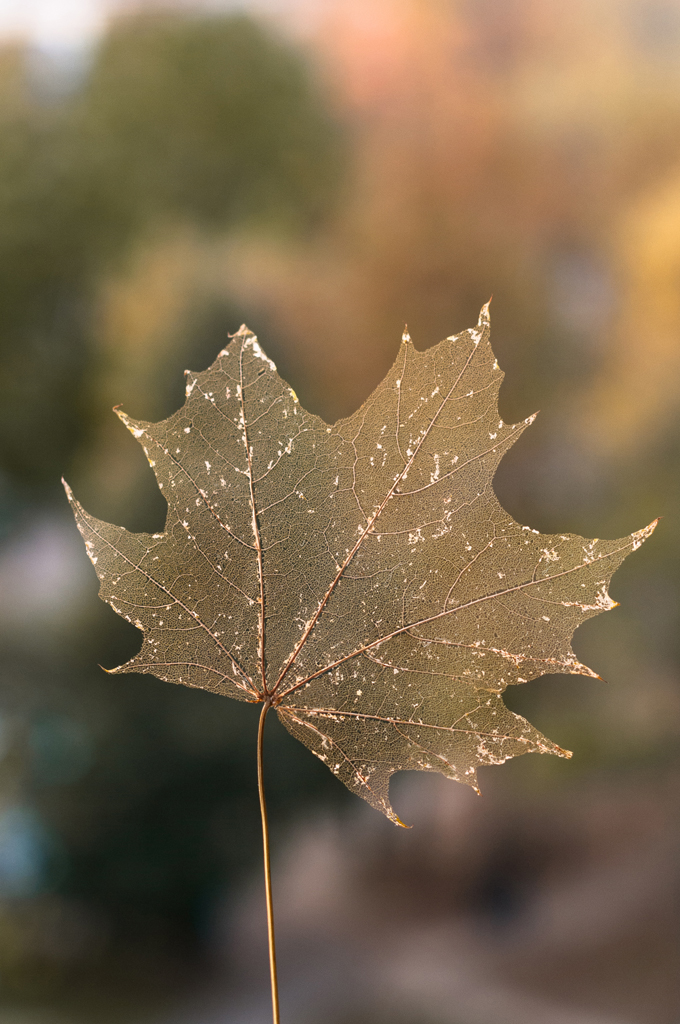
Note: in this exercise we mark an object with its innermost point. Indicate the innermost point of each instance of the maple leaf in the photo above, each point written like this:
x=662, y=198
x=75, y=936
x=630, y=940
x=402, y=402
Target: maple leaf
x=362, y=578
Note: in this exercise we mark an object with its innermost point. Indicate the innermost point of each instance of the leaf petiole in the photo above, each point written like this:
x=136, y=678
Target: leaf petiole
x=267, y=867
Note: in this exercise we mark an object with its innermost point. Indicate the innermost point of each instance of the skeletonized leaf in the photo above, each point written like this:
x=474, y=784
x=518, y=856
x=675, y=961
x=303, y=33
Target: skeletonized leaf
x=363, y=577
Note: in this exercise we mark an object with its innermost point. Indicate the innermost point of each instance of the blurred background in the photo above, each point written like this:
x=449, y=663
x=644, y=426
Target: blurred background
x=326, y=170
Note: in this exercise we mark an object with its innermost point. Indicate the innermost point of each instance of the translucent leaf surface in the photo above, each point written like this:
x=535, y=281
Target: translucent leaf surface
x=362, y=577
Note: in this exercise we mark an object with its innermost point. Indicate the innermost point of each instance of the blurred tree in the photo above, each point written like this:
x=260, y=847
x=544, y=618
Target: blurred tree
x=212, y=121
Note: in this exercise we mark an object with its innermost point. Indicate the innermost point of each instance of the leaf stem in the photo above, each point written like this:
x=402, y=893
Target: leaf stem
x=267, y=867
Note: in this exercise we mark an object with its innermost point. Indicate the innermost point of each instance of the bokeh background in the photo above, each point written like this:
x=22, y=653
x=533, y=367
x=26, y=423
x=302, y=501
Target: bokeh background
x=326, y=170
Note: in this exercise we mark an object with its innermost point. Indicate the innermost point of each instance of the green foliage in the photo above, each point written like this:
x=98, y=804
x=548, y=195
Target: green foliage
x=211, y=121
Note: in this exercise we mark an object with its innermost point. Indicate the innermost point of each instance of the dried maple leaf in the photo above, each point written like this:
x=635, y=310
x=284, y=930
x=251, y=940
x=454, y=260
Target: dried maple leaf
x=362, y=578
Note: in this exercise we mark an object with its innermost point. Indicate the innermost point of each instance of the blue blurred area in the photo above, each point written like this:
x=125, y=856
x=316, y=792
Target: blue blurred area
x=31, y=857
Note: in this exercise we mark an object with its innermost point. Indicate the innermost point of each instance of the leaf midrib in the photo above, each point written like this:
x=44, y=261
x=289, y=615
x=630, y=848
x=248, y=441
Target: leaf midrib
x=451, y=611
x=372, y=520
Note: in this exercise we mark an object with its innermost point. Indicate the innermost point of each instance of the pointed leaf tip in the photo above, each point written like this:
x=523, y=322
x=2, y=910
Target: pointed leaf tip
x=133, y=426
x=484, y=315
x=640, y=536
x=242, y=332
